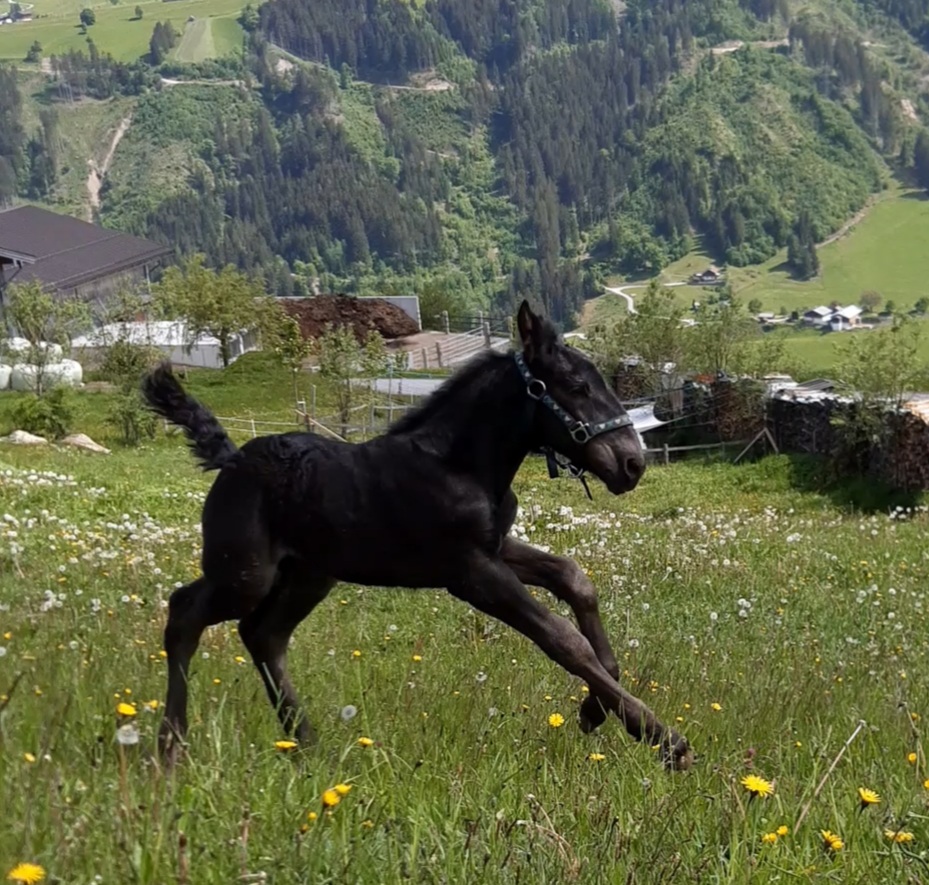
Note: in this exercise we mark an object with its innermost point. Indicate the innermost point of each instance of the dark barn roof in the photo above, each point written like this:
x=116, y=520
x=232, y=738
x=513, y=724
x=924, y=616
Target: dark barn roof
x=64, y=252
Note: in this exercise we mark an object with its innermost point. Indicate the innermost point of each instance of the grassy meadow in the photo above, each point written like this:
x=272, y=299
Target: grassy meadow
x=118, y=32
x=885, y=252
x=752, y=606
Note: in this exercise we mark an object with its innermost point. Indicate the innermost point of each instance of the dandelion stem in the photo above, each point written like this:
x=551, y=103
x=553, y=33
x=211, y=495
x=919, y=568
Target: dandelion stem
x=822, y=783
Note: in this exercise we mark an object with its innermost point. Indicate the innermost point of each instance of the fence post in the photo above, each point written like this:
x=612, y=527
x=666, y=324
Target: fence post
x=425, y=359
x=438, y=353
x=445, y=322
x=667, y=454
x=486, y=334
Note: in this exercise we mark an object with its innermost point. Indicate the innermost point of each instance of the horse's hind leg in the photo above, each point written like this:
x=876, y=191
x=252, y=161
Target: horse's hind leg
x=266, y=632
x=191, y=610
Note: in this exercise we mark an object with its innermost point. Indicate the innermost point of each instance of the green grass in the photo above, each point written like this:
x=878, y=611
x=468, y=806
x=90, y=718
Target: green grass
x=886, y=252
x=467, y=781
x=116, y=31
x=196, y=44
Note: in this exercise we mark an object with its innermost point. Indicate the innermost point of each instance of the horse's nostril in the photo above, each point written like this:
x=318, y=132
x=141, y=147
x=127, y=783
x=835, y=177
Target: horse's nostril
x=635, y=467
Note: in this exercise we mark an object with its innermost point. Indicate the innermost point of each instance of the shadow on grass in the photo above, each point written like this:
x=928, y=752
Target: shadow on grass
x=813, y=473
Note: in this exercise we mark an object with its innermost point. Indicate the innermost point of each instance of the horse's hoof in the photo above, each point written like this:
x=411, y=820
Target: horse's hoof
x=592, y=714
x=676, y=753
x=170, y=747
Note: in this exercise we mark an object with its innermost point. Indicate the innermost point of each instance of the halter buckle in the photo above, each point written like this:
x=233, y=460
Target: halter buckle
x=536, y=385
x=579, y=433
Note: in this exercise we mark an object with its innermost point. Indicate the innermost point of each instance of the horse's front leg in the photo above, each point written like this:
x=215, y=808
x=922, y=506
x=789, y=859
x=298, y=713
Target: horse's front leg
x=564, y=578
x=491, y=586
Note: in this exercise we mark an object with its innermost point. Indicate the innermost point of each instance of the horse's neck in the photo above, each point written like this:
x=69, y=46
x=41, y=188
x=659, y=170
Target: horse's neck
x=486, y=436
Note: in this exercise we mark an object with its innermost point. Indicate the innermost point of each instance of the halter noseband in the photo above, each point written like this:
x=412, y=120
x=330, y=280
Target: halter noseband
x=581, y=431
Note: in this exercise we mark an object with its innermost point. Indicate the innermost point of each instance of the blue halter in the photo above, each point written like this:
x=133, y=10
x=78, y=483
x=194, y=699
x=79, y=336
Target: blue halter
x=581, y=431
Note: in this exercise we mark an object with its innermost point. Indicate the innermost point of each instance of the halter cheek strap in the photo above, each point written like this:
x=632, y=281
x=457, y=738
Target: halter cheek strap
x=581, y=432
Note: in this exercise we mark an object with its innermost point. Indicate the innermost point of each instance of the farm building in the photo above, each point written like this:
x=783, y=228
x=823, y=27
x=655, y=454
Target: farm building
x=712, y=276
x=836, y=319
x=70, y=256
x=168, y=336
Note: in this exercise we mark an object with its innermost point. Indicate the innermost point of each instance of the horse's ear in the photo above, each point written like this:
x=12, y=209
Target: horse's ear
x=537, y=335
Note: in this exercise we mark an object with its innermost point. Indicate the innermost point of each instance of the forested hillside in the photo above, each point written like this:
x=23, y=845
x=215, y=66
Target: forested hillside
x=476, y=152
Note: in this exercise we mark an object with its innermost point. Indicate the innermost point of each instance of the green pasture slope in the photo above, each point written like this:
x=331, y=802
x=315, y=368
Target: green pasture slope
x=887, y=251
x=118, y=32
x=750, y=606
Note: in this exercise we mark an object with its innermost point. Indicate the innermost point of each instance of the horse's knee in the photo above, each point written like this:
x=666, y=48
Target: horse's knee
x=582, y=590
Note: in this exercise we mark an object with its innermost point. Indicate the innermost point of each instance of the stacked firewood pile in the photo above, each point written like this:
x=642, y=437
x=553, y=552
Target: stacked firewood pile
x=903, y=461
x=895, y=450
x=738, y=409
x=804, y=426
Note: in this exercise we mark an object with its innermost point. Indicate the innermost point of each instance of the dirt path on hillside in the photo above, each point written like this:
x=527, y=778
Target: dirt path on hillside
x=845, y=228
x=96, y=174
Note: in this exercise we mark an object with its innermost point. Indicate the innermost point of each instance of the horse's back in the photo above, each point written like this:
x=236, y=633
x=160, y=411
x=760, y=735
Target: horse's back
x=383, y=512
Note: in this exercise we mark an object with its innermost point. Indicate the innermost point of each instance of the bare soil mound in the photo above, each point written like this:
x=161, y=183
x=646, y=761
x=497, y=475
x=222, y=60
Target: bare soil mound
x=362, y=315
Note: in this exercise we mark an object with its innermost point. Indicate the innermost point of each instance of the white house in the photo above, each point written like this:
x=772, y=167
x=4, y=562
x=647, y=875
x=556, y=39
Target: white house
x=818, y=316
x=171, y=338
x=845, y=318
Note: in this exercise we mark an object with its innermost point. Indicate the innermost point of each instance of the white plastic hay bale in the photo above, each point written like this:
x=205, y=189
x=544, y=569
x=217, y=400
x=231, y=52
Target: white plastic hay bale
x=14, y=345
x=23, y=377
x=5, y=373
x=54, y=351
x=72, y=373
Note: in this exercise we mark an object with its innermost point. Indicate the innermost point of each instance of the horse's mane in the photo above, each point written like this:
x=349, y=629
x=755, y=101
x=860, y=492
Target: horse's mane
x=451, y=406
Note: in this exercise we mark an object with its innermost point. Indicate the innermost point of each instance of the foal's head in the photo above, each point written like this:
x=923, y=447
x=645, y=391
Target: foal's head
x=592, y=428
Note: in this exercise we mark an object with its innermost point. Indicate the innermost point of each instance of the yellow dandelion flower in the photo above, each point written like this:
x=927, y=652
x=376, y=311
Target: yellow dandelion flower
x=926, y=784
x=29, y=873
x=417, y=658
x=556, y=720
x=285, y=746
x=596, y=757
x=29, y=758
x=367, y=824
x=911, y=758
x=757, y=786
x=331, y=798
x=868, y=797
x=311, y=816
x=832, y=841
x=898, y=836
x=217, y=681
x=769, y=838
x=365, y=742
x=343, y=789
x=239, y=659
x=716, y=706
x=782, y=830
x=356, y=653
x=152, y=705
x=125, y=709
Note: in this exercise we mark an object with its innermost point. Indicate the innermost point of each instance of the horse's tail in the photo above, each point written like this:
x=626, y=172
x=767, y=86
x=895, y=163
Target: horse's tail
x=165, y=396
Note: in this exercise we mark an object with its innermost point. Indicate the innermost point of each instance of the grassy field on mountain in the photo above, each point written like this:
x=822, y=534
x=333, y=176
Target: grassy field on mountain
x=749, y=605
x=118, y=32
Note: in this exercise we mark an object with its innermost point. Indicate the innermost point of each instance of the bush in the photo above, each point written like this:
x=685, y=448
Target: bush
x=125, y=363
x=49, y=416
x=131, y=419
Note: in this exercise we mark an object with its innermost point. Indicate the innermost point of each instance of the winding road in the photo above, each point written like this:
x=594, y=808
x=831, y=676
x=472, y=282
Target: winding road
x=623, y=292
